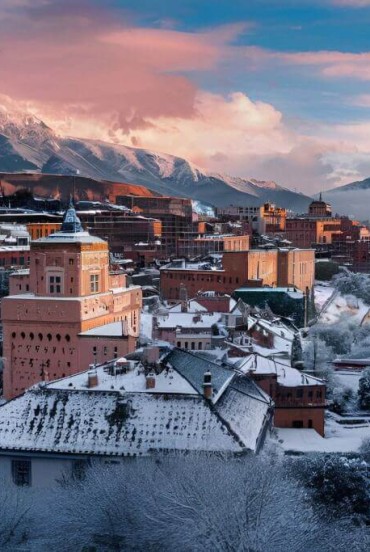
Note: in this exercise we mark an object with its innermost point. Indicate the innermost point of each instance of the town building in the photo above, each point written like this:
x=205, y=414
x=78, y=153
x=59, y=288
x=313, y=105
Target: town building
x=319, y=208
x=299, y=398
x=123, y=409
x=305, y=231
x=201, y=246
x=188, y=330
x=252, y=268
x=178, y=219
x=68, y=310
x=263, y=219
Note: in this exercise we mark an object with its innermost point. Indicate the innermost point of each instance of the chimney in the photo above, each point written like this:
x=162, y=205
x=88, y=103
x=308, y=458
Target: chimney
x=92, y=379
x=207, y=385
x=183, y=295
x=150, y=380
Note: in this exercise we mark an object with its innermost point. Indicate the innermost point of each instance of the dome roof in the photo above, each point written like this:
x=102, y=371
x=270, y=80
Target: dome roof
x=71, y=223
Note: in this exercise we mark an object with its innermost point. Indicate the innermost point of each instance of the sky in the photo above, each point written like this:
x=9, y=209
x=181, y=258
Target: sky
x=270, y=89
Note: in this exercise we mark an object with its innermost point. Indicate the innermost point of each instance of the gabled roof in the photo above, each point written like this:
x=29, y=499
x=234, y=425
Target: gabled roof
x=286, y=375
x=193, y=367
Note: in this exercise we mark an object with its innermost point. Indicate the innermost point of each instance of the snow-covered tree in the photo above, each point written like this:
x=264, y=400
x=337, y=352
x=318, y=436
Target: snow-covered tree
x=192, y=503
x=339, y=483
x=364, y=390
x=15, y=517
x=352, y=283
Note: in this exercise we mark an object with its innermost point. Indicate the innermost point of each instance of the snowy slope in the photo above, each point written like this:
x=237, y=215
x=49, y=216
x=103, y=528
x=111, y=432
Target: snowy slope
x=27, y=144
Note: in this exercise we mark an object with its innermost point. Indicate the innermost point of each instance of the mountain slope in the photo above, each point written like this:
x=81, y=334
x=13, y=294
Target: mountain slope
x=352, y=199
x=27, y=144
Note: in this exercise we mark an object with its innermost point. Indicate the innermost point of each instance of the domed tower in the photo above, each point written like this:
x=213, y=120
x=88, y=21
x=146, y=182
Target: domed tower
x=319, y=208
x=70, y=292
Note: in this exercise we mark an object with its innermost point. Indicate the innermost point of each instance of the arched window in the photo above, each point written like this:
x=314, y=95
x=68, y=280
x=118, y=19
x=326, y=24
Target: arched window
x=41, y=336
x=32, y=335
x=59, y=337
x=23, y=335
x=49, y=336
x=13, y=335
x=68, y=337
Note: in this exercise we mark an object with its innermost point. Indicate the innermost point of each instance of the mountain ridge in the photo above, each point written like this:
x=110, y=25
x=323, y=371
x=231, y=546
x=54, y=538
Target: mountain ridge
x=27, y=144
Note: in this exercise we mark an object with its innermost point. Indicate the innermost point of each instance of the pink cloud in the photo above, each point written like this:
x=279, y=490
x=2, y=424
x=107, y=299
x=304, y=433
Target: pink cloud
x=64, y=55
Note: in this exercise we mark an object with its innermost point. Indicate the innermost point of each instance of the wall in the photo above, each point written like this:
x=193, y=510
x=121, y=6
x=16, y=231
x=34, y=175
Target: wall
x=45, y=472
x=296, y=267
x=309, y=417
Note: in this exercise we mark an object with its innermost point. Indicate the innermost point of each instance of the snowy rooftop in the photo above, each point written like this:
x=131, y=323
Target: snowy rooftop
x=68, y=237
x=192, y=306
x=169, y=381
x=121, y=417
x=132, y=424
x=114, y=329
x=187, y=320
x=286, y=376
x=283, y=336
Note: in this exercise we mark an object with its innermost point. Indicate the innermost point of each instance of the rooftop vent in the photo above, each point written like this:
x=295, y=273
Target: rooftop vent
x=207, y=385
x=92, y=378
x=150, y=380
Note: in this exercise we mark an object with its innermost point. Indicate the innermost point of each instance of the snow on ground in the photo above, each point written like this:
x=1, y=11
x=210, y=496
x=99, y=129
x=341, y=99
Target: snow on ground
x=344, y=305
x=338, y=438
x=323, y=290
x=349, y=379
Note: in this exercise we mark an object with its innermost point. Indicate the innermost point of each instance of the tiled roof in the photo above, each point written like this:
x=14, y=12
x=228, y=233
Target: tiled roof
x=108, y=423
x=246, y=410
x=192, y=367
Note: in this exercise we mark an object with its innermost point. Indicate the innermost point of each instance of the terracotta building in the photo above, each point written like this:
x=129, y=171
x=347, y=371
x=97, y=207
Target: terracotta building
x=299, y=398
x=310, y=232
x=68, y=311
x=264, y=219
x=211, y=243
x=254, y=268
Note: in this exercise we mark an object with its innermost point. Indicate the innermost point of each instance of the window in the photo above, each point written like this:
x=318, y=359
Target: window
x=71, y=261
x=21, y=472
x=299, y=393
x=55, y=284
x=297, y=423
x=94, y=283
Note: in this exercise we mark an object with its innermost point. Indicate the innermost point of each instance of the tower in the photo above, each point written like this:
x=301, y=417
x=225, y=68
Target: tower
x=71, y=294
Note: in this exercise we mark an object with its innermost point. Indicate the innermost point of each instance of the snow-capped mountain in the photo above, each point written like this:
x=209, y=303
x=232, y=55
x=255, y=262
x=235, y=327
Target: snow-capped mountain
x=28, y=145
x=351, y=199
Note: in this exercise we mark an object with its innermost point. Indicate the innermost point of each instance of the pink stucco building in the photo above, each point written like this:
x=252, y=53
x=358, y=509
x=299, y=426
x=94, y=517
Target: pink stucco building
x=69, y=310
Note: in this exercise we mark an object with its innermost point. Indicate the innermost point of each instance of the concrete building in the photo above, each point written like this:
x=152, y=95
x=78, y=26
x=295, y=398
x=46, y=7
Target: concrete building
x=68, y=292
